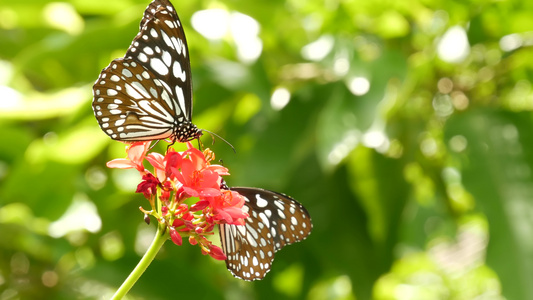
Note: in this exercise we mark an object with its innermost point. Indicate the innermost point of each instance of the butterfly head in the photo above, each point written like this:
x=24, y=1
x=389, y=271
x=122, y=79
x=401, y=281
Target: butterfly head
x=186, y=131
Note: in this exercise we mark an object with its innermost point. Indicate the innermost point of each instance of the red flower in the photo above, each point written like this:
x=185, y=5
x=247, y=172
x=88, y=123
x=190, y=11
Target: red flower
x=227, y=208
x=136, y=154
x=148, y=186
x=197, y=176
x=179, y=176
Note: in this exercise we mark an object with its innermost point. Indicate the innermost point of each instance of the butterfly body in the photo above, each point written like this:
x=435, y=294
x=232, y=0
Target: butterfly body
x=275, y=220
x=147, y=94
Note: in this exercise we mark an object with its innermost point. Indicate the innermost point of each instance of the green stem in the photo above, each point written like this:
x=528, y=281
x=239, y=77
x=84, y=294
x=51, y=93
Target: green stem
x=150, y=254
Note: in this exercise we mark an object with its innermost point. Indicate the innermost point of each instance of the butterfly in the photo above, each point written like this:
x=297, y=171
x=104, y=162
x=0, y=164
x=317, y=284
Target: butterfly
x=275, y=221
x=147, y=94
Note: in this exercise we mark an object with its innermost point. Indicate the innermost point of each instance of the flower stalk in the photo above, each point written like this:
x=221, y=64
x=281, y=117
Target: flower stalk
x=148, y=257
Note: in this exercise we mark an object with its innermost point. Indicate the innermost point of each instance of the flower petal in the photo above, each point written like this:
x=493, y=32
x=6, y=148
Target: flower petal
x=190, y=191
x=236, y=212
x=173, y=161
x=209, y=192
x=120, y=163
x=157, y=160
x=197, y=158
x=220, y=170
x=137, y=151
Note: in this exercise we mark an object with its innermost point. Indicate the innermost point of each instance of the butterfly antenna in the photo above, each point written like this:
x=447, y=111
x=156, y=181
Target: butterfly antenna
x=213, y=135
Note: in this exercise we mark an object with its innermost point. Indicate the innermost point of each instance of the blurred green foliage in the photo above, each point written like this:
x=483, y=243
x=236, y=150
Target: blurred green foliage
x=407, y=137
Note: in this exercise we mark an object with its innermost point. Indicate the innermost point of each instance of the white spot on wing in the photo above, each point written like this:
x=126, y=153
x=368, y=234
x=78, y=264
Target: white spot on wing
x=167, y=59
x=169, y=23
x=148, y=50
x=260, y=201
x=142, y=57
x=179, y=45
x=279, y=204
x=132, y=92
x=264, y=218
x=139, y=87
x=294, y=221
x=153, y=92
x=178, y=72
x=181, y=97
x=127, y=73
x=242, y=229
x=167, y=40
x=149, y=108
x=158, y=66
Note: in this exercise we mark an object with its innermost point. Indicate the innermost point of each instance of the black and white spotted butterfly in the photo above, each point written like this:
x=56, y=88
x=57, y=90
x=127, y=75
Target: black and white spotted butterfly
x=147, y=94
x=275, y=220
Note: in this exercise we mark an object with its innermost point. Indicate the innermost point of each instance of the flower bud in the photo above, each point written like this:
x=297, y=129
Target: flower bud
x=175, y=236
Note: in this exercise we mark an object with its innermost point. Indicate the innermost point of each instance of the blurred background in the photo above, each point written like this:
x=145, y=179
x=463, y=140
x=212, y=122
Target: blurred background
x=404, y=127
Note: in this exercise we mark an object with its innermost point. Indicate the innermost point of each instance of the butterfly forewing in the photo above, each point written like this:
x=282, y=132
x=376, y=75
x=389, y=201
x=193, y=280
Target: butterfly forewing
x=275, y=220
x=160, y=46
x=147, y=95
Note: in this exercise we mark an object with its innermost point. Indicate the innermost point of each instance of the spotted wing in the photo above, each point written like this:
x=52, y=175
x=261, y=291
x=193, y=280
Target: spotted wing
x=161, y=46
x=147, y=95
x=130, y=104
x=275, y=220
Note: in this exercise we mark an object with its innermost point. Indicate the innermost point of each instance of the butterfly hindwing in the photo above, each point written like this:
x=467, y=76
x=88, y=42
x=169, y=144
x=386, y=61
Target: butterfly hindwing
x=130, y=104
x=275, y=220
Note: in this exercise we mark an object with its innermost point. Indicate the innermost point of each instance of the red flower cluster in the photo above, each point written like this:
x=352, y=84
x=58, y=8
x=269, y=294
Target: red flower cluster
x=177, y=177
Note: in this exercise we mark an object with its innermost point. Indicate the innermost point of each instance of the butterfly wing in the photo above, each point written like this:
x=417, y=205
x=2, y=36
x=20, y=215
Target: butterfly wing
x=275, y=220
x=147, y=95
x=130, y=104
x=161, y=46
